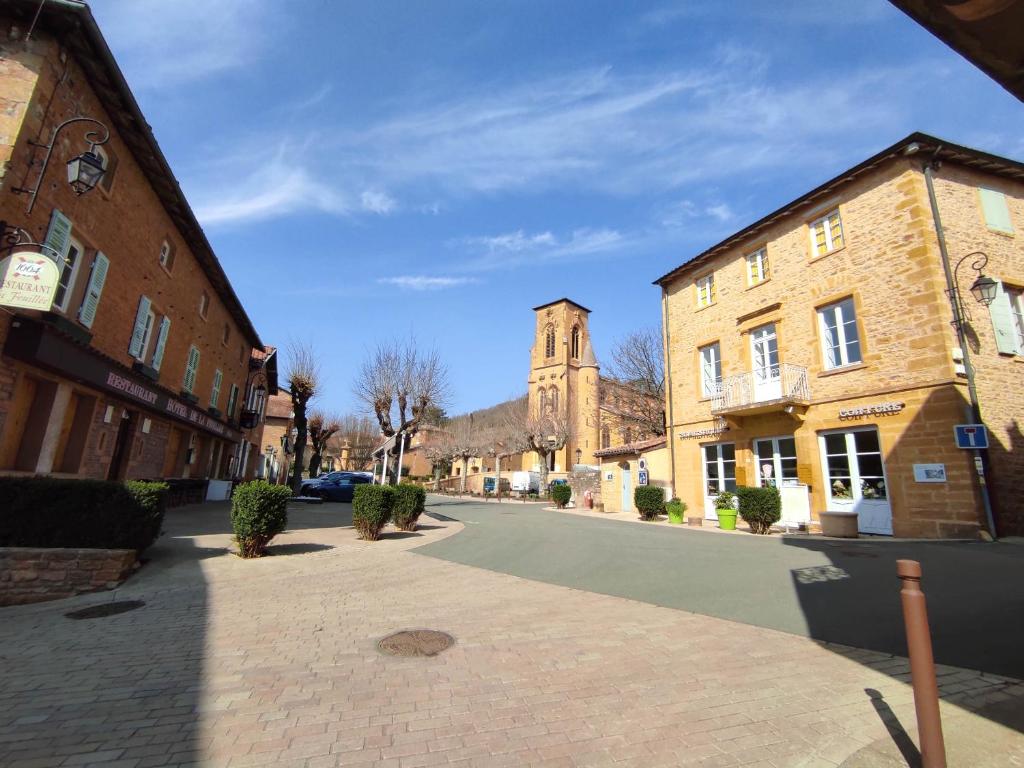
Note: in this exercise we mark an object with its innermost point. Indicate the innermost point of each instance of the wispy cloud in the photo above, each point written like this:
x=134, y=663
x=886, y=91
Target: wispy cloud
x=426, y=283
x=375, y=201
x=684, y=212
x=514, y=249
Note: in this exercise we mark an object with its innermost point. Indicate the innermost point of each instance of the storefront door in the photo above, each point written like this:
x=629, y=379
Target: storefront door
x=719, y=474
x=122, y=446
x=776, y=467
x=764, y=356
x=855, y=477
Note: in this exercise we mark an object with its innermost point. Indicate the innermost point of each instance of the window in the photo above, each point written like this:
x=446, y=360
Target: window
x=705, y=290
x=147, y=333
x=839, y=337
x=232, y=401
x=549, y=341
x=757, y=266
x=542, y=402
x=554, y=401
x=68, y=271
x=191, y=368
x=827, y=234
x=161, y=343
x=719, y=468
x=109, y=161
x=142, y=331
x=853, y=461
x=710, y=370
x=776, y=461
x=97, y=279
x=627, y=436
x=576, y=342
x=997, y=214
x=606, y=437
x=204, y=304
x=1017, y=310
x=166, y=255
x=218, y=377
x=227, y=334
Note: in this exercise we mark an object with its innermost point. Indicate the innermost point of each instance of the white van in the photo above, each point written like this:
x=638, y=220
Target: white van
x=526, y=482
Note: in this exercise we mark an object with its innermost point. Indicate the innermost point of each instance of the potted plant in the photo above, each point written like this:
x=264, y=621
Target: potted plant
x=676, y=508
x=725, y=508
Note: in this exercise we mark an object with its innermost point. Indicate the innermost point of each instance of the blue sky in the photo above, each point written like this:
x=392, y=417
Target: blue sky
x=370, y=170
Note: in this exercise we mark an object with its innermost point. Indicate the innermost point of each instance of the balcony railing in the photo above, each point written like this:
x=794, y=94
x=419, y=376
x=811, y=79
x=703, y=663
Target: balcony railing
x=763, y=391
x=248, y=419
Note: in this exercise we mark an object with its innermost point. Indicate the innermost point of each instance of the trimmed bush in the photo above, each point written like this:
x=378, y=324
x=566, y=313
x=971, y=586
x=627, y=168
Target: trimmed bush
x=87, y=514
x=649, y=501
x=761, y=508
x=259, y=511
x=561, y=494
x=410, y=501
x=371, y=509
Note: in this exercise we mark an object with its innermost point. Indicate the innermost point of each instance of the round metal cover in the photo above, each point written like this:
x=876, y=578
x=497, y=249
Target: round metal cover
x=105, y=609
x=416, y=642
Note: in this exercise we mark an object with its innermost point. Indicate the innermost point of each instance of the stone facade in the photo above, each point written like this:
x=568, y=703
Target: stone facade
x=900, y=398
x=31, y=575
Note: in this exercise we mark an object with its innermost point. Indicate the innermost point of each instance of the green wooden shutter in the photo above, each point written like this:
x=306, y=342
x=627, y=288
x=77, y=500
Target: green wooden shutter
x=1002, y=323
x=190, y=369
x=139, y=331
x=218, y=377
x=97, y=279
x=161, y=342
x=232, y=401
x=997, y=214
x=58, y=237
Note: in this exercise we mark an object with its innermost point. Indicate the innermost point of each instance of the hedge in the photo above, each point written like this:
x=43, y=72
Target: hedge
x=259, y=511
x=80, y=514
x=649, y=501
x=561, y=494
x=761, y=508
x=410, y=501
x=371, y=509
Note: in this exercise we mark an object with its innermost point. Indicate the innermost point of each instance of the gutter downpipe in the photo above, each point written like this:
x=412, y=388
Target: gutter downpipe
x=668, y=388
x=974, y=410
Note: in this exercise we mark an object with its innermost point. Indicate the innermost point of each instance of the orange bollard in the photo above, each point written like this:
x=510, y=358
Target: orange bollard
x=922, y=665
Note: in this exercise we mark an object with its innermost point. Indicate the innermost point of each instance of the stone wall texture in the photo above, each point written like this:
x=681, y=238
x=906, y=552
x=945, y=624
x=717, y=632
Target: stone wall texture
x=31, y=575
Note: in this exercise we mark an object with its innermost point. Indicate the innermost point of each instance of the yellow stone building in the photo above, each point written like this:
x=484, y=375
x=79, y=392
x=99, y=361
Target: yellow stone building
x=813, y=350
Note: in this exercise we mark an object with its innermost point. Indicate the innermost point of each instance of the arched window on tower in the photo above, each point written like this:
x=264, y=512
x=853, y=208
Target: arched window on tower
x=542, y=402
x=576, y=342
x=554, y=401
x=606, y=437
x=549, y=341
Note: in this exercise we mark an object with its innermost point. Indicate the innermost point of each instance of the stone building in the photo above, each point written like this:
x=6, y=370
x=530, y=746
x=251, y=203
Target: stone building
x=813, y=350
x=276, y=441
x=138, y=364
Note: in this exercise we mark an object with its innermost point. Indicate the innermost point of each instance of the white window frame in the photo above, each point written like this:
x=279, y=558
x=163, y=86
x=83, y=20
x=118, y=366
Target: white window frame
x=705, y=286
x=1016, y=297
x=204, y=304
x=189, y=383
x=757, y=263
x=714, y=360
x=830, y=244
x=843, y=359
x=75, y=245
x=720, y=464
x=147, y=334
x=218, y=378
x=166, y=249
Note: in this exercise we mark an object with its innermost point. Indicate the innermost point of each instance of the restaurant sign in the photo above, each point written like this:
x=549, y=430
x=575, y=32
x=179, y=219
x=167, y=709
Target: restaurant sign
x=28, y=280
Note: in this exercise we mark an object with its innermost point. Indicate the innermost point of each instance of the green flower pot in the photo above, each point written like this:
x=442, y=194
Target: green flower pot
x=727, y=519
x=675, y=515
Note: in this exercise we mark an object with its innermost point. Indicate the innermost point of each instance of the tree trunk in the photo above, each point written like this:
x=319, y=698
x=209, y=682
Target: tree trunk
x=314, y=463
x=300, y=446
x=465, y=469
x=543, y=474
x=437, y=477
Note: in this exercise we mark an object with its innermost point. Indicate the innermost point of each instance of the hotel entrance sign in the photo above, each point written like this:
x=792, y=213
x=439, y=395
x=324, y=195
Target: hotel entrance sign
x=28, y=280
x=971, y=436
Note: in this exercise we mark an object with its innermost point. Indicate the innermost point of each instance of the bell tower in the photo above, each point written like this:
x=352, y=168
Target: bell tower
x=564, y=379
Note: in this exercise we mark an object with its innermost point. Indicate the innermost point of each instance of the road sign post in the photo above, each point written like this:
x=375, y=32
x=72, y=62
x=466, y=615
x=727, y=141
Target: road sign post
x=971, y=436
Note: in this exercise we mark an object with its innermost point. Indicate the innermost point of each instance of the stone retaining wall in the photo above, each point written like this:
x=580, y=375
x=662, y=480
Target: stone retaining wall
x=31, y=575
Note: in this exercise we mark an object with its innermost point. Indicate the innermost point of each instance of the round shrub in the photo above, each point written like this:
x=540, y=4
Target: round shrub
x=561, y=494
x=761, y=508
x=410, y=501
x=259, y=511
x=371, y=509
x=649, y=501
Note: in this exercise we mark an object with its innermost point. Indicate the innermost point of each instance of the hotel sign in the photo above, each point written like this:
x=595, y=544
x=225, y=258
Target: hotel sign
x=28, y=281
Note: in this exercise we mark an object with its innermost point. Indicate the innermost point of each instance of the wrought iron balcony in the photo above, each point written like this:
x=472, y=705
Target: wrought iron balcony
x=248, y=419
x=762, y=391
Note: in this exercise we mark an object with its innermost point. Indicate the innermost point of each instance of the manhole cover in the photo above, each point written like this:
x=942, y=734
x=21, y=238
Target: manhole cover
x=416, y=642
x=105, y=609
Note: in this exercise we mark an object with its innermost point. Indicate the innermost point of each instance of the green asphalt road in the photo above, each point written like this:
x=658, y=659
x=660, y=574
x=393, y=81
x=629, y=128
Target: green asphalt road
x=836, y=591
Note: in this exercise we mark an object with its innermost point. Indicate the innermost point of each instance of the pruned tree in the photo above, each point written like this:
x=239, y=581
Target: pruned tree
x=357, y=435
x=502, y=437
x=637, y=384
x=322, y=428
x=464, y=444
x=441, y=453
x=546, y=434
x=304, y=381
x=400, y=383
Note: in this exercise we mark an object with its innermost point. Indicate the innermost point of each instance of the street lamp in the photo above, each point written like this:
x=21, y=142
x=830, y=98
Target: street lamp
x=84, y=170
x=984, y=288
x=579, y=455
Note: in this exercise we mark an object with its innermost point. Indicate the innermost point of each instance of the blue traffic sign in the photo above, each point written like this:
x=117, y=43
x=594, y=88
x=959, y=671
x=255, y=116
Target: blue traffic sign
x=971, y=436
x=643, y=477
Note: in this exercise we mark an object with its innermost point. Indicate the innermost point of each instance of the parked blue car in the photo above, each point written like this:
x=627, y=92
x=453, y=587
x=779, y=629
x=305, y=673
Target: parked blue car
x=334, y=486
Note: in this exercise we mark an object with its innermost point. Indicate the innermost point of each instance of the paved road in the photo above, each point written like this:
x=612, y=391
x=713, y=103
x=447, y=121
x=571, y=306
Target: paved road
x=844, y=592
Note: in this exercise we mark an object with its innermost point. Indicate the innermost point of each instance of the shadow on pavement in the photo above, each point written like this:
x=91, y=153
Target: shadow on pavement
x=911, y=754
x=296, y=549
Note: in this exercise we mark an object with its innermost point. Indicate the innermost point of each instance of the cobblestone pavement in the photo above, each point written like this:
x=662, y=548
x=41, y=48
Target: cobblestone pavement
x=274, y=662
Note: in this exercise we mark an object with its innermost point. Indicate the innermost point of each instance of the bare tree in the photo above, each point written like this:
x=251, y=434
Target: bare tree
x=501, y=435
x=359, y=435
x=321, y=429
x=400, y=384
x=545, y=434
x=304, y=383
x=464, y=444
x=441, y=452
x=637, y=371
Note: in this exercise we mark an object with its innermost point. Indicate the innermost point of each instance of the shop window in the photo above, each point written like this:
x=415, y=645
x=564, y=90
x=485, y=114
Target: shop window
x=710, y=370
x=719, y=468
x=853, y=464
x=840, y=339
x=776, y=461
x=995, y=210
x=827, y=234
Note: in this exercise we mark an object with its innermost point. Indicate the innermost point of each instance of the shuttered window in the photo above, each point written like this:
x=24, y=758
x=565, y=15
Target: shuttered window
x=191, y=368
x=232, y=401
x=218, y=377
x=91, y=302
x=826, y=234
x=995, y=210
x=142, y=330
x=1007, y=312
x=161, y=342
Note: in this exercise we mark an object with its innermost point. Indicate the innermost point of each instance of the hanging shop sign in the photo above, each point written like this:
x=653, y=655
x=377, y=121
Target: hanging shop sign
x=28, y=280
x=879, y=409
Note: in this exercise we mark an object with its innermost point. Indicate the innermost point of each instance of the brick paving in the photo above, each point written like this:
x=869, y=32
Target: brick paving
x=274, y=662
